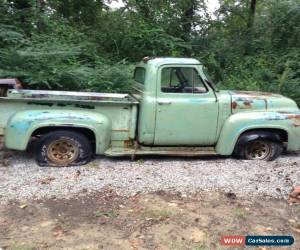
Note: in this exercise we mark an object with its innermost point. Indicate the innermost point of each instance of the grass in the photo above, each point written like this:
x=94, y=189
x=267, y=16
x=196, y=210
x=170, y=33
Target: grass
x=157, y=215
x=110, y=214
x=93, y=165
x=240, y=213
x=201, y=247
x=63, y=222
x=140, y=161
x=23, y=247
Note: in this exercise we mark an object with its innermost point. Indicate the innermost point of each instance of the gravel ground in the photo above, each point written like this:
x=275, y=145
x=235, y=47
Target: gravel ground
x=24, y=180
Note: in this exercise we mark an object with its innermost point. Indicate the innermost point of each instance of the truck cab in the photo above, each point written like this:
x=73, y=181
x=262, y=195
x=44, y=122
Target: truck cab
x=175, y=102
x=180, y=106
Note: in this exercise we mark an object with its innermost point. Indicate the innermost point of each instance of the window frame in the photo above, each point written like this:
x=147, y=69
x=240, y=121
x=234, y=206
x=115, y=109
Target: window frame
x=193, y=66
x=134, y=74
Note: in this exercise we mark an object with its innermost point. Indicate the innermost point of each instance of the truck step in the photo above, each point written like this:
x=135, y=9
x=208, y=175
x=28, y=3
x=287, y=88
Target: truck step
x=172, y=151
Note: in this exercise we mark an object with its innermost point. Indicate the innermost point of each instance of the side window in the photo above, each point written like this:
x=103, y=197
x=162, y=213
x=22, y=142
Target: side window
x=139, y=75
x=181, y=80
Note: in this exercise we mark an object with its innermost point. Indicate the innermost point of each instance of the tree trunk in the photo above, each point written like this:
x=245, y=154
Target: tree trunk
x=252, y=13
x=40, y=7
x=144, y=9
x=250, y=26
x=40, y=4
x=187, y=19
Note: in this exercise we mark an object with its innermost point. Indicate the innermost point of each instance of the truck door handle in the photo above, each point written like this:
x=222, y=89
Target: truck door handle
x=164, y=102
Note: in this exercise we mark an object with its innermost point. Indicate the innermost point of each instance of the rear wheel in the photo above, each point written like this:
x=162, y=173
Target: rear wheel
x=63, y=148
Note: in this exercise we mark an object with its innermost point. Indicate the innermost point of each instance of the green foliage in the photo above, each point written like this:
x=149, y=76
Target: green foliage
x=87, y=46
x=265, y=60
x=60, y=60
x=115, y=77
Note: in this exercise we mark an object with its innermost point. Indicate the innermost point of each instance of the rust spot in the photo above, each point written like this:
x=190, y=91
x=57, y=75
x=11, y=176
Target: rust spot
x=234, y=105
x=296, y=124
x=128, y=144
x=120, y=130
x=248, y=103
x=290, y=115
x=293, y=116
x=253, y=93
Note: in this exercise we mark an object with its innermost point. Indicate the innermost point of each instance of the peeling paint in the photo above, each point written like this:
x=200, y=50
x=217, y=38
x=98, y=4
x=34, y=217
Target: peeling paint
x=22, y=125
x=296, y=124
x=234, y=105
x=121, y=130
x=280, y=116
x=248, y=103
x=253, y=93
x=42, y=95
x=128, y=143
x=252, y=101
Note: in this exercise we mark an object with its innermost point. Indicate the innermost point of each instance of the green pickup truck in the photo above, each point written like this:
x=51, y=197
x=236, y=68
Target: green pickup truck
x=174, y=109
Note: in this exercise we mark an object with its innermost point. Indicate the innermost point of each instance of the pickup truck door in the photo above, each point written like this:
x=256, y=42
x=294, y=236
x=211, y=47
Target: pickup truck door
x=186, y=108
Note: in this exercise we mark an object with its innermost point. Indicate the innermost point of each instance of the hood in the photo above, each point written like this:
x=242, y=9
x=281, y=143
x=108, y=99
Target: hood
x=252, y=101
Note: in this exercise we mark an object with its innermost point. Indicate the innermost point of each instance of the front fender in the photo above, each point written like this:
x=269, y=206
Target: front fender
x=21, y=126
x=239, y=123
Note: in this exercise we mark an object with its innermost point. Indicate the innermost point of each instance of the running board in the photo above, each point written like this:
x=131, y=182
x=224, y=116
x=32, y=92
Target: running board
x=172, y=151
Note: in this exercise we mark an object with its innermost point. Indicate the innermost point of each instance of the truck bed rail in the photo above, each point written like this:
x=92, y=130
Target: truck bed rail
x=70, y=96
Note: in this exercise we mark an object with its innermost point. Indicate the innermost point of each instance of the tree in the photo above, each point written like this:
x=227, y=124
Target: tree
x=85, y=45
x=252, y=11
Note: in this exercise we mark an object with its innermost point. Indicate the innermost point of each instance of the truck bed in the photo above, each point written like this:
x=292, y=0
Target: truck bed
x=120, y=109
x=69, y=96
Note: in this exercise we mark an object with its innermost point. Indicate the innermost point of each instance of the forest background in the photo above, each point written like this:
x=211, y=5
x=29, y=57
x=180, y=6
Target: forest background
x=87, y=45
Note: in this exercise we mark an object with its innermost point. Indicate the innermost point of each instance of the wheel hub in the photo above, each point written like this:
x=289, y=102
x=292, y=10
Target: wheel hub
x=62, y=152
x=258, y=150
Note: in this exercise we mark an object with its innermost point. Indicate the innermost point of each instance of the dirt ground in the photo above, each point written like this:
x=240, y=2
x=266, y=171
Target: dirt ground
x=160, y=220
x=146, y=221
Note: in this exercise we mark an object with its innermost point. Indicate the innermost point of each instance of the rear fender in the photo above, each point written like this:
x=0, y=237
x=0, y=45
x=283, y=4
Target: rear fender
x=22, y=125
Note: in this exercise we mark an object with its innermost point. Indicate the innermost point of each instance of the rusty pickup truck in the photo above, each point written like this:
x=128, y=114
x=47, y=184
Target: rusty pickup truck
x=174, y=109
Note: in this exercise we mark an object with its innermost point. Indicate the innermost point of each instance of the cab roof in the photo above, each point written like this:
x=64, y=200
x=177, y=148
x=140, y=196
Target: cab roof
x=158, y=61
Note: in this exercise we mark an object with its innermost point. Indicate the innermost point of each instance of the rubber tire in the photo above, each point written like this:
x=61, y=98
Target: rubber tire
x=85, y=147
x=276, y=150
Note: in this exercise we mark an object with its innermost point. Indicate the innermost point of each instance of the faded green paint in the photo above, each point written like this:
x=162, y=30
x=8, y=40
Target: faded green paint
x=152, y=118
x=239, y=123
x=23, y=124
x=185, y=116
x=121, y=116
x=149, y=109
x=252, y=101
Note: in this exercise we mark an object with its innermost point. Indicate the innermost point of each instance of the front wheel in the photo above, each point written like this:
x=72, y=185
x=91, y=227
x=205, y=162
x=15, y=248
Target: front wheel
x=63, y=148
x=262, y=150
